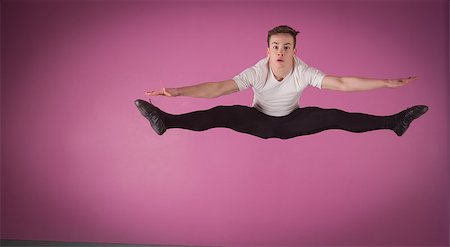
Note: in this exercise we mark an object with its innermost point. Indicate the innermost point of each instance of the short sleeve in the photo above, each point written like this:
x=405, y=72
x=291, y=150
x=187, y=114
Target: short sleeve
x=252, y=76
x=314, y=77
x=308, y=76
x=246, y=78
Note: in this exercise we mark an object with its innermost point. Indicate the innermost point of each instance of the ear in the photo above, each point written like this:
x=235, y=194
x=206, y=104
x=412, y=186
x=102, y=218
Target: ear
x=295, y=51
x=268, y=52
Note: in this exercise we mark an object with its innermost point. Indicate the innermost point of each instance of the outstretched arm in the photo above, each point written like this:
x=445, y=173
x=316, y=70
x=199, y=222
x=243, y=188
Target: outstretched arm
x=202, y=90
x=362, y=84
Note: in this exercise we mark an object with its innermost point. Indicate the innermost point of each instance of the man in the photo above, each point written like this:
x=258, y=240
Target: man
x=277, y=83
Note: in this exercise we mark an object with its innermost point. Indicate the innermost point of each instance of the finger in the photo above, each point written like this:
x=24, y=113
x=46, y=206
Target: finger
x=153, y=93
x=406, y=80
x=409, y=79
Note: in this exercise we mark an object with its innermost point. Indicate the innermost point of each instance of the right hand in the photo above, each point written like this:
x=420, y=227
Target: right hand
x=170, y=92
x=400, y=82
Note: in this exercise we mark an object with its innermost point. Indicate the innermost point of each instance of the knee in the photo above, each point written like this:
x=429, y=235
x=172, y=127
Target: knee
x=332, y=115
x=263, y=132
x=266, y=136
x=282, y=133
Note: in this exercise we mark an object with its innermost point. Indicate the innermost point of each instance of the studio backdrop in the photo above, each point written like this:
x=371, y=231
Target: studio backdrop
x=80, y=164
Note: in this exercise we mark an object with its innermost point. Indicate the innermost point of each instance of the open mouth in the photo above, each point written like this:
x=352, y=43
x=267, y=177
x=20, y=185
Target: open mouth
x=279, y=60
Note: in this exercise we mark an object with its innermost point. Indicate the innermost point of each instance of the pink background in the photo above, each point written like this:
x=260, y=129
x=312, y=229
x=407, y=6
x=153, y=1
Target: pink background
x=79, y=163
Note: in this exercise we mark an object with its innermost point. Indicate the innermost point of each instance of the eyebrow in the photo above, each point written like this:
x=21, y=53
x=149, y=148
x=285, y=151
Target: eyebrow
x=284, y=44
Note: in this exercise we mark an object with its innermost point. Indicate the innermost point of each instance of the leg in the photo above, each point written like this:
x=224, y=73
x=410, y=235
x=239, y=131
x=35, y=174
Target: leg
x=303, y=121
x=239, y=118
x=310, y=120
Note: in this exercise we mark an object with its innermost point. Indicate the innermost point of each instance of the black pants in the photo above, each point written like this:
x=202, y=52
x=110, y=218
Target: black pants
x=302, y=121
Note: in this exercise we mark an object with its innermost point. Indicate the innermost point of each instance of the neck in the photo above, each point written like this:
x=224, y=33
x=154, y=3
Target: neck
x=280, y=72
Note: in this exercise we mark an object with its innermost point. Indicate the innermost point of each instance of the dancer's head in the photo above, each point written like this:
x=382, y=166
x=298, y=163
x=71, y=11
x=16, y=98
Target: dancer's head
x=281, y=42
x=283, y=29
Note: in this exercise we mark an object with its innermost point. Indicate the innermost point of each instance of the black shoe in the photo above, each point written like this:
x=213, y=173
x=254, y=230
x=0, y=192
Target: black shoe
x=407, y=116
x=151, y=113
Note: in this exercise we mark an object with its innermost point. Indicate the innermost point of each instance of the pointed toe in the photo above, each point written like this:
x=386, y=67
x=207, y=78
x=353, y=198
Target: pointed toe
x=408, y=116
x=138, y=102
x=152, y=114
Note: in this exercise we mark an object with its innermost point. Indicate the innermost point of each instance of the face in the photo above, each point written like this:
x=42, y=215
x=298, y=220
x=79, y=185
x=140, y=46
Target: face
x=281, y=50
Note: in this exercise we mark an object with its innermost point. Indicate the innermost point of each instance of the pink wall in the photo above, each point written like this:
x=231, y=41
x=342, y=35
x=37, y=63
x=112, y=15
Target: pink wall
x=79, y=163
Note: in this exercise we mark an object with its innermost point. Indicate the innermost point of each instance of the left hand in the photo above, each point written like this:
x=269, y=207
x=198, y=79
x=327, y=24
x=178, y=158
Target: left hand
x=170, y=92
x=400, y=82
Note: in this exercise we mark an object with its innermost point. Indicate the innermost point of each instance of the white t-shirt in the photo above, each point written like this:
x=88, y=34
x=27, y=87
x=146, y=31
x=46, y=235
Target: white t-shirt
x=278, y=98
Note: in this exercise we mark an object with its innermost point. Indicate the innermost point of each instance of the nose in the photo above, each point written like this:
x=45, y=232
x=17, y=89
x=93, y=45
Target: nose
x=280, y=52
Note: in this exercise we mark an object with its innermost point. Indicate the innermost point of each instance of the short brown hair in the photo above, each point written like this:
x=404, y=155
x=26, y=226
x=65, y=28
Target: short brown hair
x=282, y=29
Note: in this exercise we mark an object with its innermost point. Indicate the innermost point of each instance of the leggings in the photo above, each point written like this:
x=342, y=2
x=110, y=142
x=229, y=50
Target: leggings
x=302, y=121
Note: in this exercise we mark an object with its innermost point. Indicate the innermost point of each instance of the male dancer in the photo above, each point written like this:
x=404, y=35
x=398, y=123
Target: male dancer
x=278, y=81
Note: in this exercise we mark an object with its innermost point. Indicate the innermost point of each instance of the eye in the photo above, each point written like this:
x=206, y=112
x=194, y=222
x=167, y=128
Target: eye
x=287, y=47
x=275, y=47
